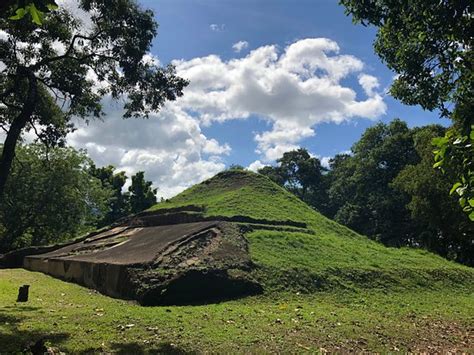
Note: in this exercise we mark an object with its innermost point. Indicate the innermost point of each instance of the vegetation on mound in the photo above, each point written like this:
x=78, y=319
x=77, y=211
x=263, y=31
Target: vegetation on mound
x=333, y=256
x=244, y=193
x=78, y=320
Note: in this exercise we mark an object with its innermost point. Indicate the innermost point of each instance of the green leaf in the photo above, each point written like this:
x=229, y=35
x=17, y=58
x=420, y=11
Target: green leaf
x=36, y=15
x=471, y=202
x=471, y=216
x=438, y=164
x=52, y=5
x=20, y=13
x=455, y=186
x=439, y=141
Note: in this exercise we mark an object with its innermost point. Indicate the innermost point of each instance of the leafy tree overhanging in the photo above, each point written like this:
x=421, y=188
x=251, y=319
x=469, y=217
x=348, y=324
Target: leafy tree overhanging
x=430, y=45
x=71, y=63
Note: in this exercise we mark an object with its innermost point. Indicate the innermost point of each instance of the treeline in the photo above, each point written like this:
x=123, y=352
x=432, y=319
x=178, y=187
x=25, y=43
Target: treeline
x=385, y=189
x=55, y=194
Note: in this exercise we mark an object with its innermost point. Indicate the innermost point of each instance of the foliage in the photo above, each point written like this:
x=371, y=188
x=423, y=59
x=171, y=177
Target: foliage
x=51, y=197
x=236, y=167
x=75, y=64
x=429, y=44
x=301, y=174
x=142, y=195
x=119, y=203
x=382, y=190
x=360, y=191
x=454, y=150
x=36, y=9
x=445, y=230
x=139, y=197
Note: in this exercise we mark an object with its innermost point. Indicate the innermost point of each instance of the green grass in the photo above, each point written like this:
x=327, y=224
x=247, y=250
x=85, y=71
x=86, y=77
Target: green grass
x=76, y=319
x=331, y=290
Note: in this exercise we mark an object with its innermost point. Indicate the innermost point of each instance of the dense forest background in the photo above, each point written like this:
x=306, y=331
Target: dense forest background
x=386, y=189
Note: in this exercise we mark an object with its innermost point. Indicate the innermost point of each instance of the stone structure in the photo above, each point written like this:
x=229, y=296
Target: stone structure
x=174, y=256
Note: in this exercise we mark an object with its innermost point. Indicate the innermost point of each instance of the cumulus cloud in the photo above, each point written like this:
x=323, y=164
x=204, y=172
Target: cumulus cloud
x=256, y=166
x=239, y=46
x=294, y=90
x=369, y=83
x=168, y=146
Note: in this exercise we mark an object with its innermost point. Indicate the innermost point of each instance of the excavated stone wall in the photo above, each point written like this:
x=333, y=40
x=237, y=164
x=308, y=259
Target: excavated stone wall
x=165, y=264
x=172, y=256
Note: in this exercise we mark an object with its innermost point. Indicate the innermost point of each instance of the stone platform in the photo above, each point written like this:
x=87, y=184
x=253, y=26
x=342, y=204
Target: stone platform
x=165, y=257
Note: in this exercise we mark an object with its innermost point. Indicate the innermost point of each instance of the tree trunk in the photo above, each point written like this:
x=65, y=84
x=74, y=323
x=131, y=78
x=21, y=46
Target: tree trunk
x=14, y=132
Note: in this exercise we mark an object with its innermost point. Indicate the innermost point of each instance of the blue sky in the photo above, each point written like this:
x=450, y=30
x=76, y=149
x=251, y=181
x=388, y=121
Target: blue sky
x=185, y=33
x=266, y=76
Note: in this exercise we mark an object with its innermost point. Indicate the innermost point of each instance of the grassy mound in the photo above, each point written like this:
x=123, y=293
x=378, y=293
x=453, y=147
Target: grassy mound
x=370, y=298
x=333, y=256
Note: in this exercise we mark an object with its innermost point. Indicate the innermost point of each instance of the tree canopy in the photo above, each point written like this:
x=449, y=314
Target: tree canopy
x=36, y=9
x=142, y=194
x=444, y=230
x=118, y=204
x=66, y=66
x=301, y=174
x=429, y=44
x=360, y=191
x=386, y=189
x=50, y=197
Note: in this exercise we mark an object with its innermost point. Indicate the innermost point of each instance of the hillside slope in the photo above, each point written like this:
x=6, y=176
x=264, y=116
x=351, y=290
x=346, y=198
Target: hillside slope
x=332, y=256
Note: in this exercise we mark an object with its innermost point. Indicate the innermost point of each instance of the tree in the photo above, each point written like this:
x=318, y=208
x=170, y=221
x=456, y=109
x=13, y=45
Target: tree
x=301, y=174
x=142, y=195
x=360, y=194
x=73, y=64
x=429, y=44
x=445, y=231
x=119, y=203
x=236, y=167
x=50, y=197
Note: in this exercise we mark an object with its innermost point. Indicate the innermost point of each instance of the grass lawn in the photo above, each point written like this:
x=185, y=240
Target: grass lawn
x=76, y=319
x=327, y=288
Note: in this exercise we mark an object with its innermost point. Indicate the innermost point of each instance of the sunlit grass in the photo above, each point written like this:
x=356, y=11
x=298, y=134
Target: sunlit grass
x=77, y=319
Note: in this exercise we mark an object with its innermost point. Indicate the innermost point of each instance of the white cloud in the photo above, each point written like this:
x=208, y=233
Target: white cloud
x=325, y=162
x=294, y=91
x=255, y=166
x=239, y=46
x=169, y=147
x=4, y=36
x=212, y=146
x=217, y=27
x=369, y=83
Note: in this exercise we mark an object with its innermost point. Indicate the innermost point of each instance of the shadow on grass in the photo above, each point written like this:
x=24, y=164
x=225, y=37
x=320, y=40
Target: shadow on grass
x=136, y=348
x=15, y=340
